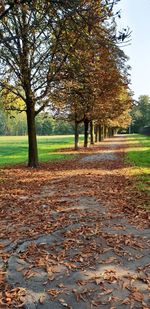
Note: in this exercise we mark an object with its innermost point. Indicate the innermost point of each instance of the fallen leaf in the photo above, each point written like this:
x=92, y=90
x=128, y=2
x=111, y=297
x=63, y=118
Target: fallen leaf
x=138, y=296
x=42, y=299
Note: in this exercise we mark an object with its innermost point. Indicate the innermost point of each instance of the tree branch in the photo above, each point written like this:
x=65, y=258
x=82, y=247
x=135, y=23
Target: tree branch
x=4, y=11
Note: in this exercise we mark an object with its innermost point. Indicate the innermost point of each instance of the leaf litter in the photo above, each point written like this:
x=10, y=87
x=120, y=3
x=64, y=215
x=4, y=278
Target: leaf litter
x=98, y=253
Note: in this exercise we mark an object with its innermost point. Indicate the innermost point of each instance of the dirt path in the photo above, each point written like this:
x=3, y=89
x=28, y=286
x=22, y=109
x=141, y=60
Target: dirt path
x=72, y=237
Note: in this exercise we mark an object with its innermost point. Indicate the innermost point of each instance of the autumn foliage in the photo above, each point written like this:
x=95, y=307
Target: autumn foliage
x=63, y=56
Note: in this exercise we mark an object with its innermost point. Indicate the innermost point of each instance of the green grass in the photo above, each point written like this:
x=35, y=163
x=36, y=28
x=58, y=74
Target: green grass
x=140, y=157
x=14, y=149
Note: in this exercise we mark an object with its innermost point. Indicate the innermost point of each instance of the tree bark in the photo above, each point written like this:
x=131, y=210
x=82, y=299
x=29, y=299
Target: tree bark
x=100, y=129
x=86, y=126
x=109, y=132
x=92, y=132
x=105, y=132
x=96, y=134
x=76, y=136
x=32, y=140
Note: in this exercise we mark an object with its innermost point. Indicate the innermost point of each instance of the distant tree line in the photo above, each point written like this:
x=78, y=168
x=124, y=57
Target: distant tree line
x=140, y=114
x=14, y=123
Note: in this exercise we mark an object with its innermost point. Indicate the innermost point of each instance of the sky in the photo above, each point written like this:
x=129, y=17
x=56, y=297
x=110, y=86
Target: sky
x=136, y=15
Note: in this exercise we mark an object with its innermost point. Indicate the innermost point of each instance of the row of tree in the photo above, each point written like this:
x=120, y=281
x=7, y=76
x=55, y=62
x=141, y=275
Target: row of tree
x=64, y=56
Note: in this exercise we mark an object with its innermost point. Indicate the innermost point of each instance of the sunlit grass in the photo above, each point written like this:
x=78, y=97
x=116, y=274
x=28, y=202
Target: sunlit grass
x=140, y=158
x=14, y=149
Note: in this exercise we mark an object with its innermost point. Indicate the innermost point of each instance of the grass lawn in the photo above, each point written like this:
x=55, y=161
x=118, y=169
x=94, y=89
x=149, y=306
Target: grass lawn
x=14, y=149
x=139, y=155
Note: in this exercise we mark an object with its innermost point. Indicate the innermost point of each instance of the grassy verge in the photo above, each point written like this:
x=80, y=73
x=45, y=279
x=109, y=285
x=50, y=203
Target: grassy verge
x=138, y=154
x=14, y=149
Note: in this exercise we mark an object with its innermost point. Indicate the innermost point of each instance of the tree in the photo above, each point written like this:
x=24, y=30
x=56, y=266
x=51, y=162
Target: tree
x=2, y=120
x=121, y=122
x=13, y=113
x=94, y=82
x=36, y=39
x=141, y=113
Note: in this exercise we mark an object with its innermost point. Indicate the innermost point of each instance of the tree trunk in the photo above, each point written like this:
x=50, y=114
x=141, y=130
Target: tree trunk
x=76, y=136
x=92, y=132
x=115, y=131
x=109, y=132
x=105, y=132
x=102, y=132
x=32, y=141
x=96, y=134
x=100, y=129
x=86, y=126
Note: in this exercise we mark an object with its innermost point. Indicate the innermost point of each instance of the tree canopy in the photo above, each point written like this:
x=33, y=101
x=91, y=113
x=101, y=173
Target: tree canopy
x=141, y=113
